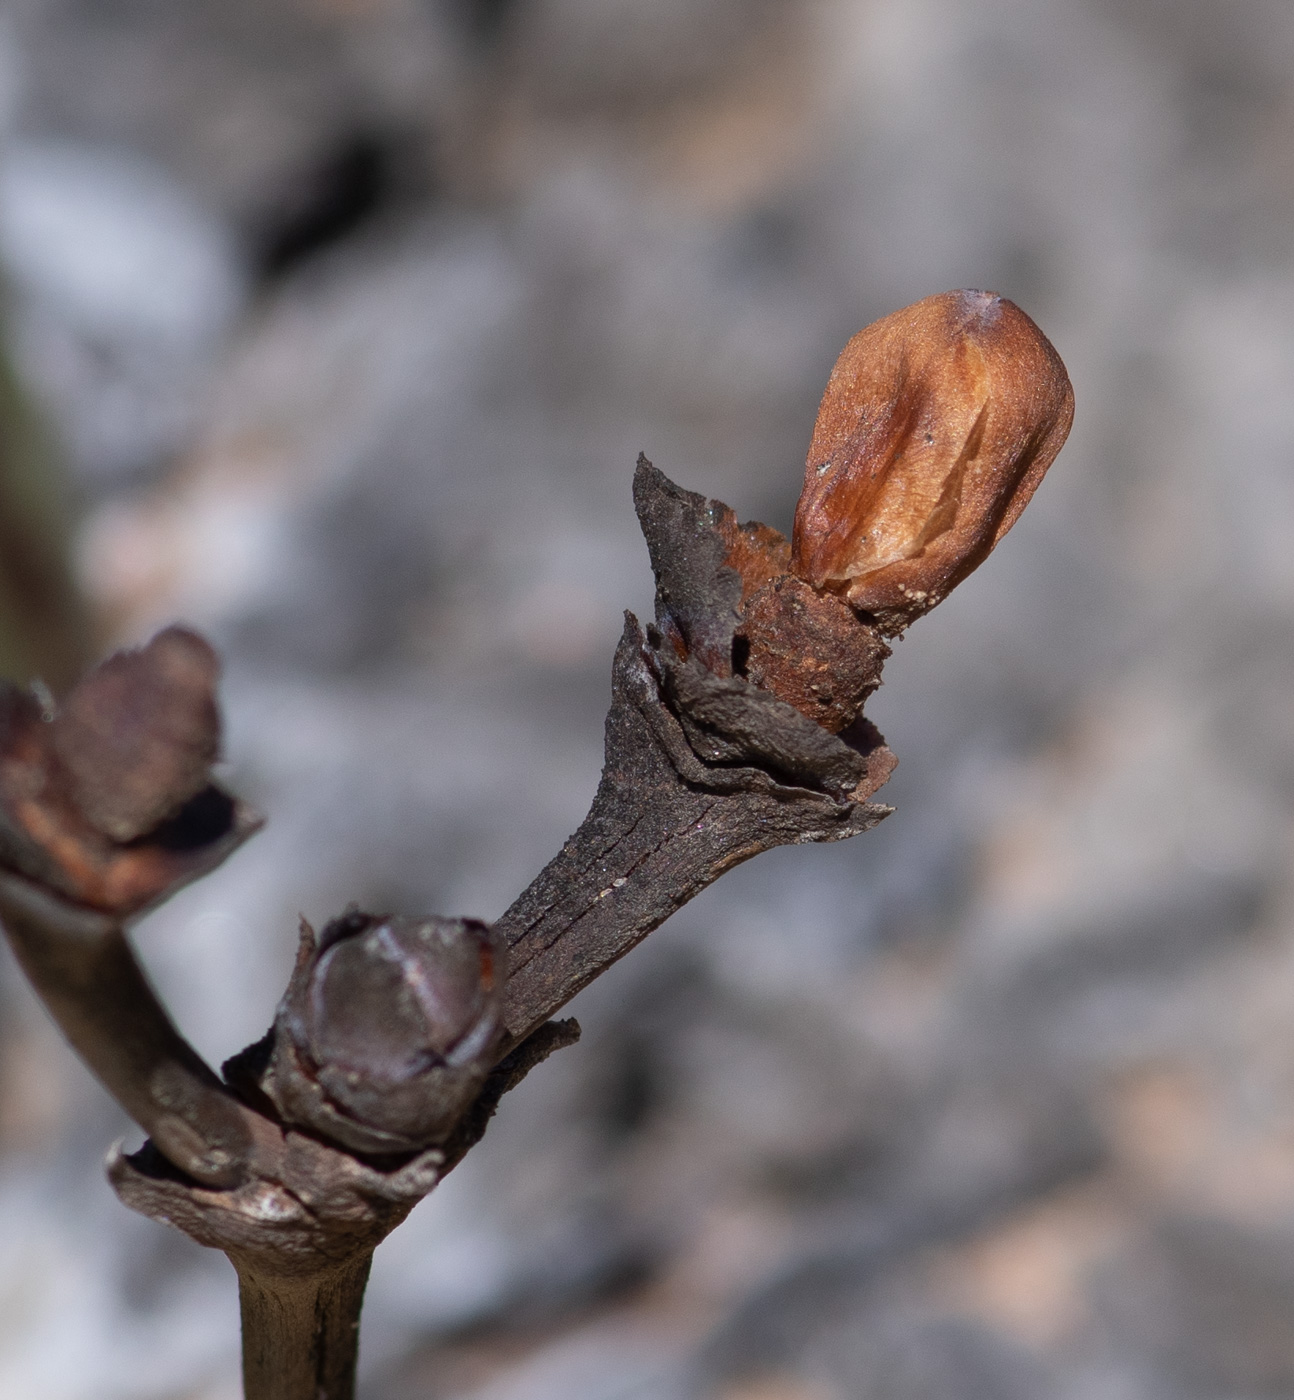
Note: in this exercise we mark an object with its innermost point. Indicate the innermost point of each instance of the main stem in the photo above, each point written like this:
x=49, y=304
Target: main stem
x=301, y=1334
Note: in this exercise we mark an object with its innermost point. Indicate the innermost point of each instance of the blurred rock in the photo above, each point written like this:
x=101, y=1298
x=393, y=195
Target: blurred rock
x=125, y=289
x=993, y=1102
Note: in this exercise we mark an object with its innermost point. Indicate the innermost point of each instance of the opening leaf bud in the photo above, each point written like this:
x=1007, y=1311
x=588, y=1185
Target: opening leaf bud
x=108, y=800
x=937, y=424
x=385, y=1034
x=137, y=737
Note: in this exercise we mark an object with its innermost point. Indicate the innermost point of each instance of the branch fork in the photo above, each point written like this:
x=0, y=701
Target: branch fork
x=396, y=1037
x=735, y=726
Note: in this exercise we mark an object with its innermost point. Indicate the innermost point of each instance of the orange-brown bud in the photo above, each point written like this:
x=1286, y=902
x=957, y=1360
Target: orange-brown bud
x=936, y=427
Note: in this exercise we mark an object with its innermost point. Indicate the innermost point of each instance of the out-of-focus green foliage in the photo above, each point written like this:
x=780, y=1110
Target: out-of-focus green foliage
x=42, y=621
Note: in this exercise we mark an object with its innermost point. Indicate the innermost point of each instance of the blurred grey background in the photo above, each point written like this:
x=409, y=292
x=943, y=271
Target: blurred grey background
x=344, y=321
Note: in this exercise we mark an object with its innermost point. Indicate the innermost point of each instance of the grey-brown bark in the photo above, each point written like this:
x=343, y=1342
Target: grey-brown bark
x=665, y=823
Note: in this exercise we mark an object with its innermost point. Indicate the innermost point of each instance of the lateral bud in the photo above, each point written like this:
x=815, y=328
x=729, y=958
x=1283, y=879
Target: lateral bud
x=386, y=1031
x=937, y=424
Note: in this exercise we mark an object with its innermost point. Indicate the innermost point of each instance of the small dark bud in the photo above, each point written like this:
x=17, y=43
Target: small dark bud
x=385, y=1034
x=936, y=427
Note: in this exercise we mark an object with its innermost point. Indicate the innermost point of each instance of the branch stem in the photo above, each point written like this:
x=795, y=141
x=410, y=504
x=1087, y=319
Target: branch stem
x=82, y=966
x=301, y=1334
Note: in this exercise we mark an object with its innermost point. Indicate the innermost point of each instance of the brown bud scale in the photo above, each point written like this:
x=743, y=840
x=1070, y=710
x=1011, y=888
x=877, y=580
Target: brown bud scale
x=811, y=650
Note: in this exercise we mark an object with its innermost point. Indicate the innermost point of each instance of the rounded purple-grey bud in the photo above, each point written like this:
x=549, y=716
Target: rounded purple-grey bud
x=385, y=1034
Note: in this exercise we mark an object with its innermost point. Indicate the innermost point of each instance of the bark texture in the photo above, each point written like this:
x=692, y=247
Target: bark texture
x=302, y=1334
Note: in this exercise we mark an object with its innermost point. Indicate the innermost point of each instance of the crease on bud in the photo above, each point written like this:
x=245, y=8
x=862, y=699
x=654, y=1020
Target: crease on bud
x=937, y=424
